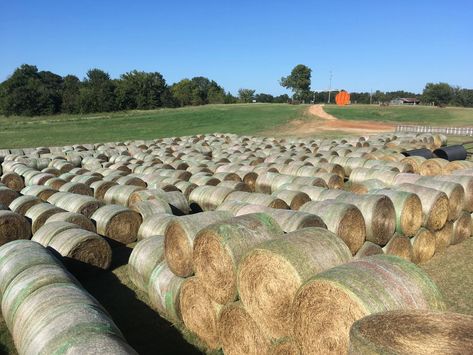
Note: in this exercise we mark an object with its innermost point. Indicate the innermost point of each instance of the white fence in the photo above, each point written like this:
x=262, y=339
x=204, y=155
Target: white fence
x=453, y=131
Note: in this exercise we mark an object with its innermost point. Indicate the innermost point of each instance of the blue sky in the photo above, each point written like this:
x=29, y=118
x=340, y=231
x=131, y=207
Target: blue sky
x=386, y=45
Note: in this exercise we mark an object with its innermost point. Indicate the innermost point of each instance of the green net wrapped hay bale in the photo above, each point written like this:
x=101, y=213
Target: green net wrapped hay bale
x=310, y=181
x=423, y=246
x=120, y=194
x=239, y=333
x=146, y=255
x=38, y=214
x=328, y=304
x=13, y=226
x=204, y=179
x=264, y=182
x=7, y=195
x=49, y=230
x=415, y=162
x=234, y=206
x=412, y=332
x=362, y=174
x=23, y=203
x=219, y=248
x=151, y=207
x=86, y=179
x=200, y=312
x=163, y=291
x=77, y=188
x=294, y=199
x=208, y=198
x=467, y=183
x=408, y=209
x=179, y=239
x=363, y=187
x=285, y=346
x=117, y=222
x=154, y=225
x=227, y=176
x=186, y=187
x=178, y=202
x=257, y=199
x=85, y=205
x=291, y=221
x=131, y=180
x=433, y=167
x=75, y=218
x=400, y=246
x=55, y=183
x=462, y=228
x=271, y=273
x=435, y=208
x=333, y=181
x=102, y=343
x=43, y=192
x=13, y=181
x=368, y=249
x=343, y=219
x=39, y=179
x=101, y=187
x=443, y=237
x=235, y=185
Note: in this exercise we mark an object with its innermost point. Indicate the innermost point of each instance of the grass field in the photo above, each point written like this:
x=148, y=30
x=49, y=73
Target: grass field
x=21, y=132
x=422, y=115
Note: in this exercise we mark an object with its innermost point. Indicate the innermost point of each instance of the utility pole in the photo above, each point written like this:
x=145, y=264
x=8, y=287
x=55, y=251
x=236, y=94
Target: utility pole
x=371, y=96
x=329, y=87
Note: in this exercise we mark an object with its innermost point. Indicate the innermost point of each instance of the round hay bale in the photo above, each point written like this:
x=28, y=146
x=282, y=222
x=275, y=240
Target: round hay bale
x=467, y=183
x=239, y=333
x=443, y=237
x=219, y=248
x=163, y=291
x=461, y=228
x=200, y=312
x=23, y=203
x=43, y=192
x=399, y=245
x=74, y=218
x=291, y=221
x=186, y=187
x=257, y=199
x=101, y=187
x=285, y=346
x=39, y=213
x=117, y=222
x=84, y=246
x=47, y=232
x=131, y=180
x=179, y=239
x=13, y=181
x=151, y=207
x=120, y=194
x=55, y=183
x=154, y=225
x=271, y=273
x=408, y=209
x=39, y=179
x=178, y=202
x=208, y=198
x=227, y=176
x=333, y=181
x=432, y=167
x=295, y=199
x=234, y=206
x=457, y=165
x=362, y=174
x=368, y=249
x=85, y=205
x=423, y=246
x=146, y=255
x=202, y=179
x=235, y=185
x=310, y=181
x=264, y=182
x=435, y=208
x=249, y=178
x=77, y=188
x=415, y=162
x=328, y=304
x=7, y=195
x=343, y=219
x=90, y=343
x=364, y=187
x=412, y=332
x=13, y=226
x=86, y=179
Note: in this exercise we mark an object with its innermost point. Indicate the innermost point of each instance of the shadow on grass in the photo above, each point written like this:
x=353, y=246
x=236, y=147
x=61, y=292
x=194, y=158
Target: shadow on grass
x=142, y=327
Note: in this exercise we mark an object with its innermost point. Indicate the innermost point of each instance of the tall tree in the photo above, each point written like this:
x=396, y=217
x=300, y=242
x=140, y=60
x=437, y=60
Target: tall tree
x=71, y=94
x=182, y=92
x=246, y=95
x=298, y=81
x=440, y=94
x=140, y=90
x=97, y=93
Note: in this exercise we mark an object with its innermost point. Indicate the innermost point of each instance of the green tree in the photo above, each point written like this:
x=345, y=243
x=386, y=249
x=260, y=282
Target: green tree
x=246, y=95
x=182, y=92
x=298, y=81
x=264, y=98
x=140, y=90
x=230, y=99
x=97, y=93
x=282, y=99
x=71, y=94
x=440, y=94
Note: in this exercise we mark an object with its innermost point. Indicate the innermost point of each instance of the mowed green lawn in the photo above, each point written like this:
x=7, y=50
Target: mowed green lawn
x=20, y=132
x=421, y=115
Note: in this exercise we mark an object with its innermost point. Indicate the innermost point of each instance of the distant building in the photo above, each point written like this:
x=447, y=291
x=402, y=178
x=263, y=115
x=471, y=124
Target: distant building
x=405, y=101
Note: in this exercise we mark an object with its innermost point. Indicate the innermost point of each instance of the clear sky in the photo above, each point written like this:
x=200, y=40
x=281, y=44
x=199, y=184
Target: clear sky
x=386, y=45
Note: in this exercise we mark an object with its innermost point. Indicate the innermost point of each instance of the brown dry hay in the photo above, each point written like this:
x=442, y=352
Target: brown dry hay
x=291, y=221
x=412, y=332
x=461, y=228
x=235, y=185
x=443, y=237
x=85, y=205
x=432, y=167
x=13, y=226
x=179, y=239
x=117, y=222
x=208, y=198
x=39, y=179
x=131, y=180
x=343, y=219
x=144, y=258
x=219, y=248
x=333, y=181
x=249, y=178
x=295, y=199
x=101, y=187
x=327, y=305
x=423, y=246
x=38, y=214
x=435, y=208
x=285, y=346
x=467, y=183
x=368, y=249
x=23, y=203
x=74, y=218
x=154, y=225
x=84, y=246
x=271, y=273
x=200, y=312
x=145, y=195
x=457, y=165
x=13, y=181
x=42, y=192
x=151, y=207
x=120, y=194
x=399, y=245
x=7, y=195
x=77, y=188
x=55, y=183
x=239, y=334
x=415, y=162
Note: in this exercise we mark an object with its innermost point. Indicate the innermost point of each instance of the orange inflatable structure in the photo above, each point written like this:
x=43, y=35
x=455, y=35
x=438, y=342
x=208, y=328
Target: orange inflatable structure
x=342, y=98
